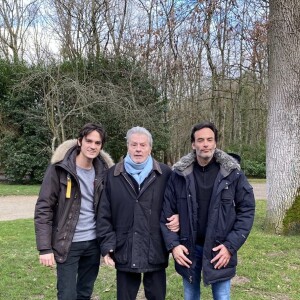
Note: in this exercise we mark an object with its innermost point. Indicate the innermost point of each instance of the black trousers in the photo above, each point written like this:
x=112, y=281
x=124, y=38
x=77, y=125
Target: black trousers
x=128, y=284
x=77, y=275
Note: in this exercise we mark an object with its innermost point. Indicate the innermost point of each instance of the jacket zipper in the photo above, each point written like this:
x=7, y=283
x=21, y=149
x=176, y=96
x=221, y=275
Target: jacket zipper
x=139, y=188
x=148, y=183
x=128, y=181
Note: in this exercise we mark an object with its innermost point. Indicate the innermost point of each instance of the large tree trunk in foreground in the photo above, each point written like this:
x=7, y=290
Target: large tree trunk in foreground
x=283, y=136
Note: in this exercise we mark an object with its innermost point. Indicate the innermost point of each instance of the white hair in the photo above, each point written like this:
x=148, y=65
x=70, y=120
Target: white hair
x=139, y=130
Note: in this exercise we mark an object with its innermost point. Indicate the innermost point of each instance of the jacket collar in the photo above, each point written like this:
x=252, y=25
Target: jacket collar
x=227, y=163
x=121, y=169
x=68, y=148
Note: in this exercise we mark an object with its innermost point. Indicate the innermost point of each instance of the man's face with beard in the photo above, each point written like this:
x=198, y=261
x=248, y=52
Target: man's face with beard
x=204, y=145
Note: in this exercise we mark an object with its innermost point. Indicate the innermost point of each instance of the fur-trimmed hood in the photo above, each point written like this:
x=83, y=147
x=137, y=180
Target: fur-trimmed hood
x=63, y=148
x=227, y=162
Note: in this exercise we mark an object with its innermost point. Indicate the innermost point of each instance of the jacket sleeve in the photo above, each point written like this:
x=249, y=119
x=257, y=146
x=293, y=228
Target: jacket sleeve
x=105, y=231
x=245, y=210
x=45, y=209
x=169, y=208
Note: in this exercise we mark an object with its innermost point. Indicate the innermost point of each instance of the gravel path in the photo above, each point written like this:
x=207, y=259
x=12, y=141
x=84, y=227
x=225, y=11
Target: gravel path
x=22, y=207
x=260, y=191
x=17, y=207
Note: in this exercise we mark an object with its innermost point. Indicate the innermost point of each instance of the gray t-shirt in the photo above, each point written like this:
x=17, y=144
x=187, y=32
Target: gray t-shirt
x=86, y=226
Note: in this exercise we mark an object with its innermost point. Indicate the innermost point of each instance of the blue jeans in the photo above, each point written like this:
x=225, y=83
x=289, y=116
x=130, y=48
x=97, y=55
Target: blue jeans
x=76, y=276
x=220, y=290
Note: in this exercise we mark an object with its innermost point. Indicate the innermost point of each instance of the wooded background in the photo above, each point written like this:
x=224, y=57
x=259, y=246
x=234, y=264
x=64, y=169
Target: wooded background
x=162, y=64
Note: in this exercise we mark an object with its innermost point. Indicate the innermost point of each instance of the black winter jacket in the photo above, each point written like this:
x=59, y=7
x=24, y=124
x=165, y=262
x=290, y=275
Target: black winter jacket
x=129, y=223
x=230, y=215
x=56, y=215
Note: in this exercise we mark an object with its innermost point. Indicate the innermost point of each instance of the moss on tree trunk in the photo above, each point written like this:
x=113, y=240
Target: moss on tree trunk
x=291, y=221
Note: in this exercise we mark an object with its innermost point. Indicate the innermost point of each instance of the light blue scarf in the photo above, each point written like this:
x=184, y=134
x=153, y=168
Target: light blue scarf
x=138, y=171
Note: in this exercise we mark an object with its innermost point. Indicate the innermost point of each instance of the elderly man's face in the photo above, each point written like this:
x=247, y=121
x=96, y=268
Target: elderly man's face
x=139, y=147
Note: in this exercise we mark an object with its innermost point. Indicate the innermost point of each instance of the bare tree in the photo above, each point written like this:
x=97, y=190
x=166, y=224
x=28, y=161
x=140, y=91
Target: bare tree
x=79, y=26
x=115, y=17
x=16, y=17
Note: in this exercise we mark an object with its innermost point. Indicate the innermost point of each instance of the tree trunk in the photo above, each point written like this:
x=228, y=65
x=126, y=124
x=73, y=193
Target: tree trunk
x=283, y=133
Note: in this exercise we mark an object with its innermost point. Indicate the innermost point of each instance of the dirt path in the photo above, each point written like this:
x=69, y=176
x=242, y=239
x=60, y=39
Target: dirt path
x=260, y=191
x=22, y=207
x=17, y=207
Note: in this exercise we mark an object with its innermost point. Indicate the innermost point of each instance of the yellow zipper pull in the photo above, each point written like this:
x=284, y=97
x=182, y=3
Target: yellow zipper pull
x=69, y=184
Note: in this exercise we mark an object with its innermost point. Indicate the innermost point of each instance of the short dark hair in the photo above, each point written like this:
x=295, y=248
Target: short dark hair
x=205, y=124
x=88, y=128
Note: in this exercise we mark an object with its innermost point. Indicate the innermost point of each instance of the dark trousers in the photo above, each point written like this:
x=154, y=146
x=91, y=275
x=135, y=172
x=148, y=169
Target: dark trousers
x=77, y=275
x=154, y=285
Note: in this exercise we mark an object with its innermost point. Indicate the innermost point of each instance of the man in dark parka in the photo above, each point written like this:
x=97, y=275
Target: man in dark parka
x=215, y=203
x=128, y=224
x=65, y=212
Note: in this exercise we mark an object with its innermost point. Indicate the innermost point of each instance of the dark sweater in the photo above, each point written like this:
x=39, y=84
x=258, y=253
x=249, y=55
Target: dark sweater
x=205, y=179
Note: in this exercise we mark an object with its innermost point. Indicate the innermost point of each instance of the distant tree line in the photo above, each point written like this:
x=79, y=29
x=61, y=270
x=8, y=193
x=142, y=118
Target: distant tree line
x=165, y=65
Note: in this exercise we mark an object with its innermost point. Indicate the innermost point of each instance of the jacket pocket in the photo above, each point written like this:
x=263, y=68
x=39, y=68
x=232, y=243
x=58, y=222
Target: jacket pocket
x=233, y=261
x=157, y=251
x=227, y=196
x=121, y=252
x=227, y=214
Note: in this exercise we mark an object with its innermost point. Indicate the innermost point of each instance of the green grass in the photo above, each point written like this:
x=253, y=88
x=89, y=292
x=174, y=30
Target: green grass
x=269, y=267
x=7, y=189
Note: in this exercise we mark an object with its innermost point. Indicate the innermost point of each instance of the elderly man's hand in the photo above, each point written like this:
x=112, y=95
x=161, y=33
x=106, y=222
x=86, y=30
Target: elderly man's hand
x=108, y=259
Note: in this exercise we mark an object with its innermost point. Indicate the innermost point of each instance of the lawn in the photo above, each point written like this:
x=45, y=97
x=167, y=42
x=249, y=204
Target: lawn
x=269, y=267
x=7, y=189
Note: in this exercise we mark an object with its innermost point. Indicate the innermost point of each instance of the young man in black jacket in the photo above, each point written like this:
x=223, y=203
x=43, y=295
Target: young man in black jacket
x=216, y=208
x=65, y=213
x=128, y=224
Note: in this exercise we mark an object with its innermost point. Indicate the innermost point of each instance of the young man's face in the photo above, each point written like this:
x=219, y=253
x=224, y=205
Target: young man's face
x=91, y=145
x=139, y=147
x=204, y=145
